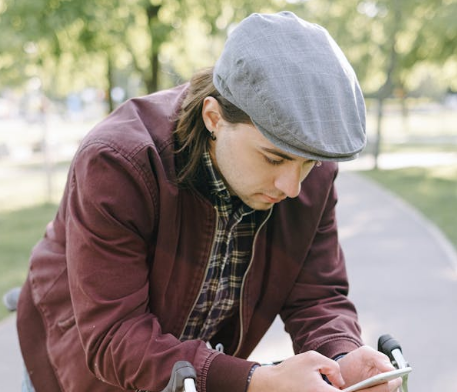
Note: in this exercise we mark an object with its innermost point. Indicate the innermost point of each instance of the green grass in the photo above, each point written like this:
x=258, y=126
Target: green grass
x=20, y=230
x=432, y=191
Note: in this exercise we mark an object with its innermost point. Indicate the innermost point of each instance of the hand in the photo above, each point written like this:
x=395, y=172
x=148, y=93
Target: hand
x=366, y=362
x=300, y=373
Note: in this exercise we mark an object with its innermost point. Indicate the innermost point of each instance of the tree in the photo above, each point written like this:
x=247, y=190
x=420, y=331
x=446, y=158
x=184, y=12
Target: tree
x=385, y=40
x=408, y=43
x=164, y=41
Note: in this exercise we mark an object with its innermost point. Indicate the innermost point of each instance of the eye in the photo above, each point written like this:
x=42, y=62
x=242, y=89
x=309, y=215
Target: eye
x=273, y=162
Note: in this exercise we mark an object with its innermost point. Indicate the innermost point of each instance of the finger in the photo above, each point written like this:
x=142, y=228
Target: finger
x=391, y=386
x=379, y=360
x=395, y=384
x=333, y=373
x=383, y=364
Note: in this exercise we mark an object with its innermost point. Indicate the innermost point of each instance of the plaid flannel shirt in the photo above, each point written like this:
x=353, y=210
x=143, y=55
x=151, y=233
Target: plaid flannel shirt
x=237, y=223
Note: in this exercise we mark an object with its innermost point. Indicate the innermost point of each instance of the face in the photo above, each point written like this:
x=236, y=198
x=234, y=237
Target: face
x=252, y=168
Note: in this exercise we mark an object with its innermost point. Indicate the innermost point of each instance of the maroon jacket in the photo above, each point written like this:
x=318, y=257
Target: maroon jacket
x=116, y=276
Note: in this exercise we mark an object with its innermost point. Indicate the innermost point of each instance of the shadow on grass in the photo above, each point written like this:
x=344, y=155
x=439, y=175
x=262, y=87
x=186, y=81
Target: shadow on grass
x=20, y=230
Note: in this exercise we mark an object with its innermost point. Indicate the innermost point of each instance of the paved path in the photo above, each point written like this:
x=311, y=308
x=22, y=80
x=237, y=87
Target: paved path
x=10, y=358
x=403, y=276
x=403, y=280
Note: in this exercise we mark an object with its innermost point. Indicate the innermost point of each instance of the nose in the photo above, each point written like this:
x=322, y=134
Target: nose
x=290, y=179
x=289, y=182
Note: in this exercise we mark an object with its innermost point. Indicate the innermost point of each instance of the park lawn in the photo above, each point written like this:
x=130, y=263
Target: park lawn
x=431, y=190
x=20, y=230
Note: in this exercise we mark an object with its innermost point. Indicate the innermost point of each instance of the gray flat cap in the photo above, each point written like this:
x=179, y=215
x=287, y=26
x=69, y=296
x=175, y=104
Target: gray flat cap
x=294, y=82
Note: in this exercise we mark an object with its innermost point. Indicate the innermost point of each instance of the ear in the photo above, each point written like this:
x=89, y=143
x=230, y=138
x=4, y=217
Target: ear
x=211, y=113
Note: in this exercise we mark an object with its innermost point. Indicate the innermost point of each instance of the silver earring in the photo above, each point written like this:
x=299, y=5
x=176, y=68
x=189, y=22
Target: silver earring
x=212, y=135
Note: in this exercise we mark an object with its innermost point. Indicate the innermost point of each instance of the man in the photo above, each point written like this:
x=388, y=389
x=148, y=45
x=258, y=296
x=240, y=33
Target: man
x=193, y=216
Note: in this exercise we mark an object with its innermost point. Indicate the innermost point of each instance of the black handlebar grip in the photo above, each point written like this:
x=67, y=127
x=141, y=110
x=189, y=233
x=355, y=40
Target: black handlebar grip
x=181, y=371
x=386, y=344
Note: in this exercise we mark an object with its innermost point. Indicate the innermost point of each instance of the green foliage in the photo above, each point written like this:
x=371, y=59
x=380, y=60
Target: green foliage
x=19, y=231
x=161, y=42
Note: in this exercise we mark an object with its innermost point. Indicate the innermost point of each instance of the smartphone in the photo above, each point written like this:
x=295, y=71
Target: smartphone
x=378, y=379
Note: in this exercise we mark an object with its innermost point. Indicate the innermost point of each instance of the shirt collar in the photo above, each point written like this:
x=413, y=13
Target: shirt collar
x=218, y=189
x=216, y=185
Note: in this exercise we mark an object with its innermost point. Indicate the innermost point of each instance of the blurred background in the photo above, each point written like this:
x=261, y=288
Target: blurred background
x=65, y=64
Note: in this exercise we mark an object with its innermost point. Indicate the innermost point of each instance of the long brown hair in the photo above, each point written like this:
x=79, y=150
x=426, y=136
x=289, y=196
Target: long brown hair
x=191, y=133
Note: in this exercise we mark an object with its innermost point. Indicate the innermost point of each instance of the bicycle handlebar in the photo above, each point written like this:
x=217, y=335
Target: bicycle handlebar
x=391, y=347
x=182, y=379
x=386, y=344
x=183, y=375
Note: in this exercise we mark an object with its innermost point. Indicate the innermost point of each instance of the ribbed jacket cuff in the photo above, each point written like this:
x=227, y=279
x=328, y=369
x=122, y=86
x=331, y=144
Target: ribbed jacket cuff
x=336, y=347
x=228, y=374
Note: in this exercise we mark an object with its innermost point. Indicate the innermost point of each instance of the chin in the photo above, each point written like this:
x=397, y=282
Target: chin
x=257, y=205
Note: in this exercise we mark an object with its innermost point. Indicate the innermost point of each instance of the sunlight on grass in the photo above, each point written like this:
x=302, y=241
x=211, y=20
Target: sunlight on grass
x=26, y=188
x=429, y=123
x=433, y=191
x=19, y=231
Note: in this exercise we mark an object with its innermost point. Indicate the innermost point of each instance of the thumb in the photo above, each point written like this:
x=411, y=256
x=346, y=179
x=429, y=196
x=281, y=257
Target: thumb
x=333, y=374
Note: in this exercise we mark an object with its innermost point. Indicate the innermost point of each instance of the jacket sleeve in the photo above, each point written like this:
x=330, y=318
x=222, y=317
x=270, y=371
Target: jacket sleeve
x=318, y=314
x=109, y=226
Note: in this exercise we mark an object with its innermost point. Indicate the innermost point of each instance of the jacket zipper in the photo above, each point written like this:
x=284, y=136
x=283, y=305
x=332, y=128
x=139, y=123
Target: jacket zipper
x=244, y=281
x=204, y=277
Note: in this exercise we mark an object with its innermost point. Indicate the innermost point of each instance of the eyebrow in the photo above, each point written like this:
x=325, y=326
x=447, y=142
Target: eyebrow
x=278, y=153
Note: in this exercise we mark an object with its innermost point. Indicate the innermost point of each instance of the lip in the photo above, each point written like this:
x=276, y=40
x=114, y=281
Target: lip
x=270, y=199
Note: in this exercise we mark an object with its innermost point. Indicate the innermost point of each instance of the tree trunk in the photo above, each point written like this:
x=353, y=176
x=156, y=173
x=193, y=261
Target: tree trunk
x=110, y=78
x=47, y=160
x=386, y=90
x=377, y=144
x=155, y=70
x=152, y=83
x=404, y=111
